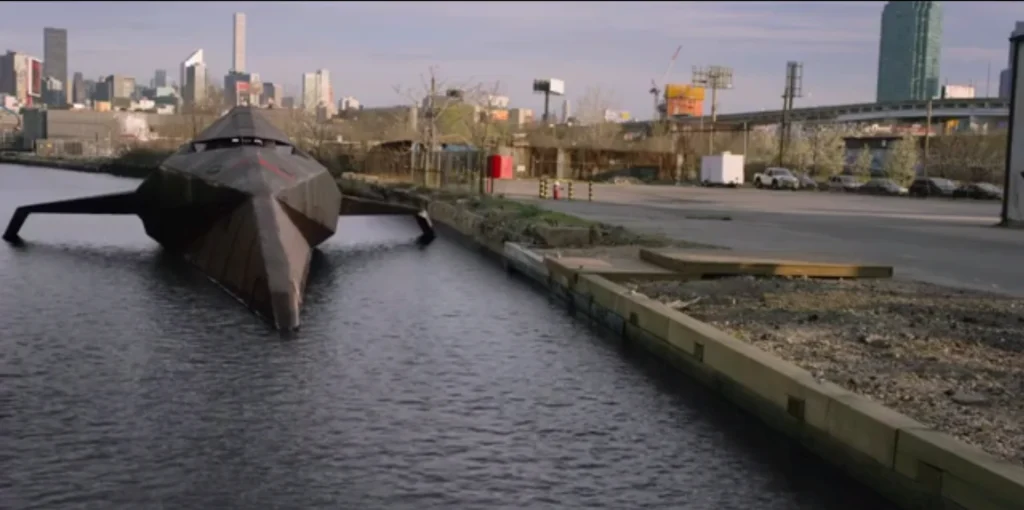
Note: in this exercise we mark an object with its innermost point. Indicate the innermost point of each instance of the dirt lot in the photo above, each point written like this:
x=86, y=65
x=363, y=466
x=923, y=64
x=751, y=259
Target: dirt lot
x=951, y=359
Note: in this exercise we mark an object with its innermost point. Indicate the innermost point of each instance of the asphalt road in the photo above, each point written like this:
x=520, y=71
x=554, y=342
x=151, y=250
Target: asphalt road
x=935, y=240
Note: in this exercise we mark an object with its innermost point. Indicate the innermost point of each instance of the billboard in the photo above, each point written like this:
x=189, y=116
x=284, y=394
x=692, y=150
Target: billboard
x=499, y=115
x=681, y=107
x=682, y=91
x=552, y=86
x=35, y=77
x=957, y=92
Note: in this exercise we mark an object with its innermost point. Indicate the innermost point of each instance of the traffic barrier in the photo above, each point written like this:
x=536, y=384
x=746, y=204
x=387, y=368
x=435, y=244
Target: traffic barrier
x=542, y=188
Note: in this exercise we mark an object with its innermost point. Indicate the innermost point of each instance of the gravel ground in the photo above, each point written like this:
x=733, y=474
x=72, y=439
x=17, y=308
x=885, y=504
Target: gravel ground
x=951, y=359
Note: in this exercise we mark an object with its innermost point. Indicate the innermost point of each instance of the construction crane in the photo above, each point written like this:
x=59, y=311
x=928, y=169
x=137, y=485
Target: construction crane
x=655, y=91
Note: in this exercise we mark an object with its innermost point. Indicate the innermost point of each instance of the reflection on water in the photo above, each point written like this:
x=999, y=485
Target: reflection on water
x=421, y=379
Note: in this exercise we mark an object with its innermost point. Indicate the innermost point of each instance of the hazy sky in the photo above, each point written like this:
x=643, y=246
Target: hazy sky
x=369, y=48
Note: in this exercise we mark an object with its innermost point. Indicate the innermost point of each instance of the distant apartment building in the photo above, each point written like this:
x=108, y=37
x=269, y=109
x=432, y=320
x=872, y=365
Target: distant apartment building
x=236, y=89
x=288, y=102
x=909, y=50
x=520, y=116
x=78, y=95
x=160, y=78
x=21, y=76
x=271, y=96
x=348, y=103
x=120, y=86
x=317, y=92
x=1006, y=76
x=190, y=91
x=53, y=92
x=195, y=84
x=55, y=62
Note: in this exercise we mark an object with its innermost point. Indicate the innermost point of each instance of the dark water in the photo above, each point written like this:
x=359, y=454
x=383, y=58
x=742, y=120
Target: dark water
x=421, y=379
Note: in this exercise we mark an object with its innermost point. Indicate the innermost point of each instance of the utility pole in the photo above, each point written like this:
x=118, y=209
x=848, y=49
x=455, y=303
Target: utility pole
x=793, y=89
x=927, y=139
x=431, y=127
x=715, y=78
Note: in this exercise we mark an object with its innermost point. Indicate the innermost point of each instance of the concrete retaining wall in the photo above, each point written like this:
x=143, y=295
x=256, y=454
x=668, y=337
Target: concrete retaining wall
x=906, y=461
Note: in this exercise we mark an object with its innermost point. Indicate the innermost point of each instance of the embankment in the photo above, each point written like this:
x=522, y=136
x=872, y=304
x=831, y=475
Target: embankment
x=136, y=164
x=909, y=462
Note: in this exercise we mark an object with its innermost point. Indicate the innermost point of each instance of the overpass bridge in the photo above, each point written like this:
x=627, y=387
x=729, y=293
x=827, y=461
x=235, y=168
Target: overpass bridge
x=942, y=109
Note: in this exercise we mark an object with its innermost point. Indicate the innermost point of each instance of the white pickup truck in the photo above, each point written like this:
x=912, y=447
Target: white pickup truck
x=776, y=178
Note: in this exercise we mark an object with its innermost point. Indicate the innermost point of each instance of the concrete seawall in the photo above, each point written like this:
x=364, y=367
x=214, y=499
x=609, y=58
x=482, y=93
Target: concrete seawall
x=908, y=462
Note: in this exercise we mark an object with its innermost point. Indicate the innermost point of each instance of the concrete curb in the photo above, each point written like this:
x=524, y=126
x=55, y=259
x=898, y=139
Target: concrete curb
x=904, y=460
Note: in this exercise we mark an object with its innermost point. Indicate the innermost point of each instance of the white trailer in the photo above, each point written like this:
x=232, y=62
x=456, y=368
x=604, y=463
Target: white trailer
x=724, y=169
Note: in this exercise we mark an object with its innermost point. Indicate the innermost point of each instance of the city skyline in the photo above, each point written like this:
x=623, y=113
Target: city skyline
x=618, y=47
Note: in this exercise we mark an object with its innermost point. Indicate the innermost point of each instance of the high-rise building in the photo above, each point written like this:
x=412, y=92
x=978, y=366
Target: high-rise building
x=160, y=78
x=288, y=102
x=908, y=53
x=237, y=88
x=238, y=60
x=193, y=93
x=21, y=76
x=78, y=89
x=348, y=103
x=1007, y=74
x=272, y=94
x=317, y=91
x=55, y=61
x=566, y=111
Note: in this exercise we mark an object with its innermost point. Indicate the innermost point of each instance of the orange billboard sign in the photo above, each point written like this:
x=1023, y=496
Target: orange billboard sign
x=681, y=107
x=499, y=115
x=681, y=91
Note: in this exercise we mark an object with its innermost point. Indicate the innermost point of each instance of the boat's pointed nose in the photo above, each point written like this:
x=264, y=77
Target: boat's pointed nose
x=286, y=255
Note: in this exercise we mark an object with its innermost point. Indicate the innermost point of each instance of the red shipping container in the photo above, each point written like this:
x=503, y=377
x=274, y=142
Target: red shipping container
x=499, y=167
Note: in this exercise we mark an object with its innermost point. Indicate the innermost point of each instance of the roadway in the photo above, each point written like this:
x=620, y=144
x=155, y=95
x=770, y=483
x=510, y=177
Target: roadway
x=935, y=240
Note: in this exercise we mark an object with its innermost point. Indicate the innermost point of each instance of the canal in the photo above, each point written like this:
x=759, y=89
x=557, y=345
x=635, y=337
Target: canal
x=420, y=379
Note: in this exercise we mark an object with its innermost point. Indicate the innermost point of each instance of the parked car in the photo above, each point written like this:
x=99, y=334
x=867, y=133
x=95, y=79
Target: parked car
x=843, y=183
x=776, y=178
x=806, y=182
x=979, y=191
x=882, y=187
x=932, y=187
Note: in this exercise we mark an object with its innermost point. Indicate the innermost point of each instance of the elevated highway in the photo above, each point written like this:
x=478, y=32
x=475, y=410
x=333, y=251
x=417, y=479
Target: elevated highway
x=942, y=109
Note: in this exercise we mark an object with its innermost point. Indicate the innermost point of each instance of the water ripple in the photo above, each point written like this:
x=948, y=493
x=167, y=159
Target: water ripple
x=422, y=379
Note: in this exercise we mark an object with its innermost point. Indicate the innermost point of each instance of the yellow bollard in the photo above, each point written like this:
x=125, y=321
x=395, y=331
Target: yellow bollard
x=570, y=190
x=542, y=187
x=590, y=191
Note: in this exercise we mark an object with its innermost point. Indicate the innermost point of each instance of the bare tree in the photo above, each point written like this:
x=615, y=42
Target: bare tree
x=901, y=160
x=968, y=156
x=597, y=131
x=799, y=154
x=828, y=150
x=862, y=165
x=442, y=105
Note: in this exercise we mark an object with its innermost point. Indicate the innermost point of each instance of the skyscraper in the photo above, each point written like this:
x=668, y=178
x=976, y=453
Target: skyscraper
x=55, y=61
x=908, y=53
x=1006, y=76
x=317, y=91
x=78, y=89
x=193, y=69
x=160, y=78
x=238, y=61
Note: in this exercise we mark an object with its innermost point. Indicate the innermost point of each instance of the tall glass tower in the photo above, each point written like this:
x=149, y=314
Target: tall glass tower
x=908, y=54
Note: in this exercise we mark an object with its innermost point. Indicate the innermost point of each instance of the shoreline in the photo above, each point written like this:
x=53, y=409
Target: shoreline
x=910, y=463
x=134, y=165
